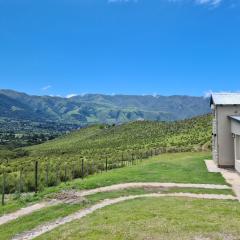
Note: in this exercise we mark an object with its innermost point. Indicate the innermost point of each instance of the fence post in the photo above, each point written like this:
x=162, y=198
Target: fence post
x=58, y=174
x=106, y=166
x=3, y=188
x=47, y=173
x=93, y=168
x=82, y=173
x=36, y=176
x=65, y=173
x=20, y=180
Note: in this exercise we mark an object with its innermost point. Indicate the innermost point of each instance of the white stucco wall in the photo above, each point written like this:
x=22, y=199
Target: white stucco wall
x=225, y=140
x=235, y=127
x=237, y=149
x=237, y=165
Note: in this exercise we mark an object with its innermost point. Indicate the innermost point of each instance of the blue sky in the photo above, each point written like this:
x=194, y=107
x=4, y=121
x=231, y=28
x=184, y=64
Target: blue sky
x=61, y=47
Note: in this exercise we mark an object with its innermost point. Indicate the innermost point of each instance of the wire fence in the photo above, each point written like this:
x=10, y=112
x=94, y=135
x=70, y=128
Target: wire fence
x=38, y=174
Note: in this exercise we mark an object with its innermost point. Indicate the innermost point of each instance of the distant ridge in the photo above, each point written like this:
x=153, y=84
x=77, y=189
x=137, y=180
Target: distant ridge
x=99, y=108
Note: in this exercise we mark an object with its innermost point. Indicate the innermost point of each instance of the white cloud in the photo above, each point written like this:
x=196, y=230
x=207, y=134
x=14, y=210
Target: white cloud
x=213, y=3
x=55, y=95
x=207, y=94
x=209, y=2
x=122, y=1
x=46, y=87
x=71, y=95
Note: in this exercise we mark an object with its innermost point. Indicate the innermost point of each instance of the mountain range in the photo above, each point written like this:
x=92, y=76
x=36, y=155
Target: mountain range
x=99, y=108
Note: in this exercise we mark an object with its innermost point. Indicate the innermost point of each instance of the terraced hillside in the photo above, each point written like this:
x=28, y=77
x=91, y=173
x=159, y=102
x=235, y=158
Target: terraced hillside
x=141, y=135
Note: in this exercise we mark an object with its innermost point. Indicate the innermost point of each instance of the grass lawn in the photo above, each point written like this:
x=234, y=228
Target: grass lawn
x=156, y=218
x=174, y=167
x=7, y=231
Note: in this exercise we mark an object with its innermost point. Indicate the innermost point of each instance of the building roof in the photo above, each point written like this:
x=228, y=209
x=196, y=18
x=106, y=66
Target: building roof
x=237, y=118
x=225, y=99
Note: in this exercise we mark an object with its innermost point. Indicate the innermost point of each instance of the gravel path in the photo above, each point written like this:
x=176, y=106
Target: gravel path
x=149, y=184
x=82, y=213
x=233, y=178
x=28, y=210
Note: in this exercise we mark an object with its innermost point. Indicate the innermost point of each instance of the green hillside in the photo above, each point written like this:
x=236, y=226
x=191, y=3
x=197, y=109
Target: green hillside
x=136, y=136
x=99, y=108
x=117, y=145
x=28, y=120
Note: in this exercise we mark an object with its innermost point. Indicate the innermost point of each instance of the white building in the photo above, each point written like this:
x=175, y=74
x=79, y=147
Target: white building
x=226, y=129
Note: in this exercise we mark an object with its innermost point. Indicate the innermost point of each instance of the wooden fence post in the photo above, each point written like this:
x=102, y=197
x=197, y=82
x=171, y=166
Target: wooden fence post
x=3, y=188
x=82, y=173
x=92, y=167
x=65, y=173
x=36, y=176
x=106, y=165
x=47, y=173
x=20, y=180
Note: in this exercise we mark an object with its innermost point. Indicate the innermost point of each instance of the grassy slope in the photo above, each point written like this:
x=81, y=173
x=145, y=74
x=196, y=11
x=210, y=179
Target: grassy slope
x=63, y=156
x=8, y=230
x=95, y=143
x=135, y=135
x=156, y=218
x=178, y=167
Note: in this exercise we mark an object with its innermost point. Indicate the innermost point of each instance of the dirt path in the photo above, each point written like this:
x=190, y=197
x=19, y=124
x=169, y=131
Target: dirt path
x=82, y=213
x=233, y=178
x=149, y=184
x=28, y=210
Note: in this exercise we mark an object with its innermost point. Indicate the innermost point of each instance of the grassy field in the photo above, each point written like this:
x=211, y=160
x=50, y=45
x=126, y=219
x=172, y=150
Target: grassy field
x=174, y=167
x=8, y=230
x=26, y=223
x=153, y=218
x=156, y=218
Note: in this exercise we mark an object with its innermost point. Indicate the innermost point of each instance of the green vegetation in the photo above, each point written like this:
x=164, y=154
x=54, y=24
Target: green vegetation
x=98, y=108
x=156, y=218
x=179, y=168
x=174, y=167
x=8, y=230
x=86, y=151
x=21, y=133
x=28, y=222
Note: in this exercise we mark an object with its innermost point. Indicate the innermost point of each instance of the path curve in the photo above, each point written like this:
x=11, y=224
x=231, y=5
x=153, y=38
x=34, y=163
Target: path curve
x=107, y=202
x=149, y=184
x=28, y=210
